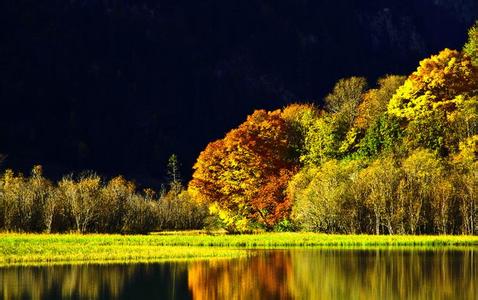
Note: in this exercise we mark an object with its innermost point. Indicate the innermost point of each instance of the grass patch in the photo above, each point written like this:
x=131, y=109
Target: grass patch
x=53, y=248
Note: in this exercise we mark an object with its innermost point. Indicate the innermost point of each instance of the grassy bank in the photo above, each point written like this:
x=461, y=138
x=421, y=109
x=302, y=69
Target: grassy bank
x=42, y=248
x=26, y=249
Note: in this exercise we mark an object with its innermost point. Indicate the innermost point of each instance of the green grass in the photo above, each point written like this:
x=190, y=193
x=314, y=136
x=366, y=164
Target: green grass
x=74, y=248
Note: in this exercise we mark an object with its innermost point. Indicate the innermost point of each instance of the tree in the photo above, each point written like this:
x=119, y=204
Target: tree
x=268, y=210
x=430, y=132
x=471, y=46
x=140, y=215
x=466, y=184
x=380, y=181
x=321, y=141
x=321, y=198
x=465, y=165
x=370, y=113
x=435, y=85
x=435, y=101
x=442, y=196
x=346, y=95
x=343, y=101
x=375, y=101
x=112, y=204
x=174, y=175
x=11, y=186
x=301, y=118
x=468, y=151
x=178, y=211
x=422, y=170
x=81, y=197
x=384, y=135
x=464, y=120
x=44, y=204
x=231, y=172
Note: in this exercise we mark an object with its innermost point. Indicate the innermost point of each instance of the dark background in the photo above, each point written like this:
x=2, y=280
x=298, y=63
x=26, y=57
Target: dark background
x=117, y=86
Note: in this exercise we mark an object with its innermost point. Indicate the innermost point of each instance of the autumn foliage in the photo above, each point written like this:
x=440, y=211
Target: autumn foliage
x=397, y=157
x=247, y=172
x=435, y=85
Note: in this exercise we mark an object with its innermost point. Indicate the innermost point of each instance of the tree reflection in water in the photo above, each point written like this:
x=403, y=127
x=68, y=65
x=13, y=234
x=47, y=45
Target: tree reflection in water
x=264, y=276
x=122, y=281
x=340, y=274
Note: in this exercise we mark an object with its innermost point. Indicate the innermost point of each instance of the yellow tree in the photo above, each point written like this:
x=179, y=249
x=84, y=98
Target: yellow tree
x=433, y=99
x=322, y=199
x=422, y=170
x=435, y=85
x=466, y=162
x=380, y=182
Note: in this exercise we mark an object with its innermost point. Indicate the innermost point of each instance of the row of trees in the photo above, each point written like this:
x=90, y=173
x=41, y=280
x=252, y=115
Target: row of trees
x=399, y=157
x=88, y=204
x=417, y=194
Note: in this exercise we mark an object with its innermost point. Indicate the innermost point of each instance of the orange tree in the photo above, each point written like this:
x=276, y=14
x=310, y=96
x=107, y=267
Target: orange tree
x=243, y=177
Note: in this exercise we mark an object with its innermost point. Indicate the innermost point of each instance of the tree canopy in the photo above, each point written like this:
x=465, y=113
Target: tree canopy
x=246, y=173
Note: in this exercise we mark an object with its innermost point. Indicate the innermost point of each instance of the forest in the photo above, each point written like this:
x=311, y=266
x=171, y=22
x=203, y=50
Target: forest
x=87, y=203
x=399, y=156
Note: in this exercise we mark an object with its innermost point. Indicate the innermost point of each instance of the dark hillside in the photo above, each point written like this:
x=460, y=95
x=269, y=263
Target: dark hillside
x=119, y=85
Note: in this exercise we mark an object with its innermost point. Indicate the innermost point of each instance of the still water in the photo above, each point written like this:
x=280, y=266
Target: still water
x=269, y=274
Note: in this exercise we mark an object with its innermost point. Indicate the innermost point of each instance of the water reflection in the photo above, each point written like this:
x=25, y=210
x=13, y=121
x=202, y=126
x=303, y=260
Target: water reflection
x=384, y=275
x=264, y=276
x=127, y=281
x=292, y=274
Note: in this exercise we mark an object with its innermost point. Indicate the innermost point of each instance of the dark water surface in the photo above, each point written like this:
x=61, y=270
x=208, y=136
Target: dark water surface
x=270, y=274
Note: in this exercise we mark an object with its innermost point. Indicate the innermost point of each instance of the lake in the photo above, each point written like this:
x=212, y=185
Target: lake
x=267, y=274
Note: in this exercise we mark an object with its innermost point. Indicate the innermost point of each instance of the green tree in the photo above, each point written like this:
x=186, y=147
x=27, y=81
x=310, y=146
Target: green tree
x=471, y=46
x=384, y=135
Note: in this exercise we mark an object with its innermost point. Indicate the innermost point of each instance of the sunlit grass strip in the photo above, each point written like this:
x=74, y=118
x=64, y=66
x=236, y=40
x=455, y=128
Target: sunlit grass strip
x=25, y=248
x=166, y=254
